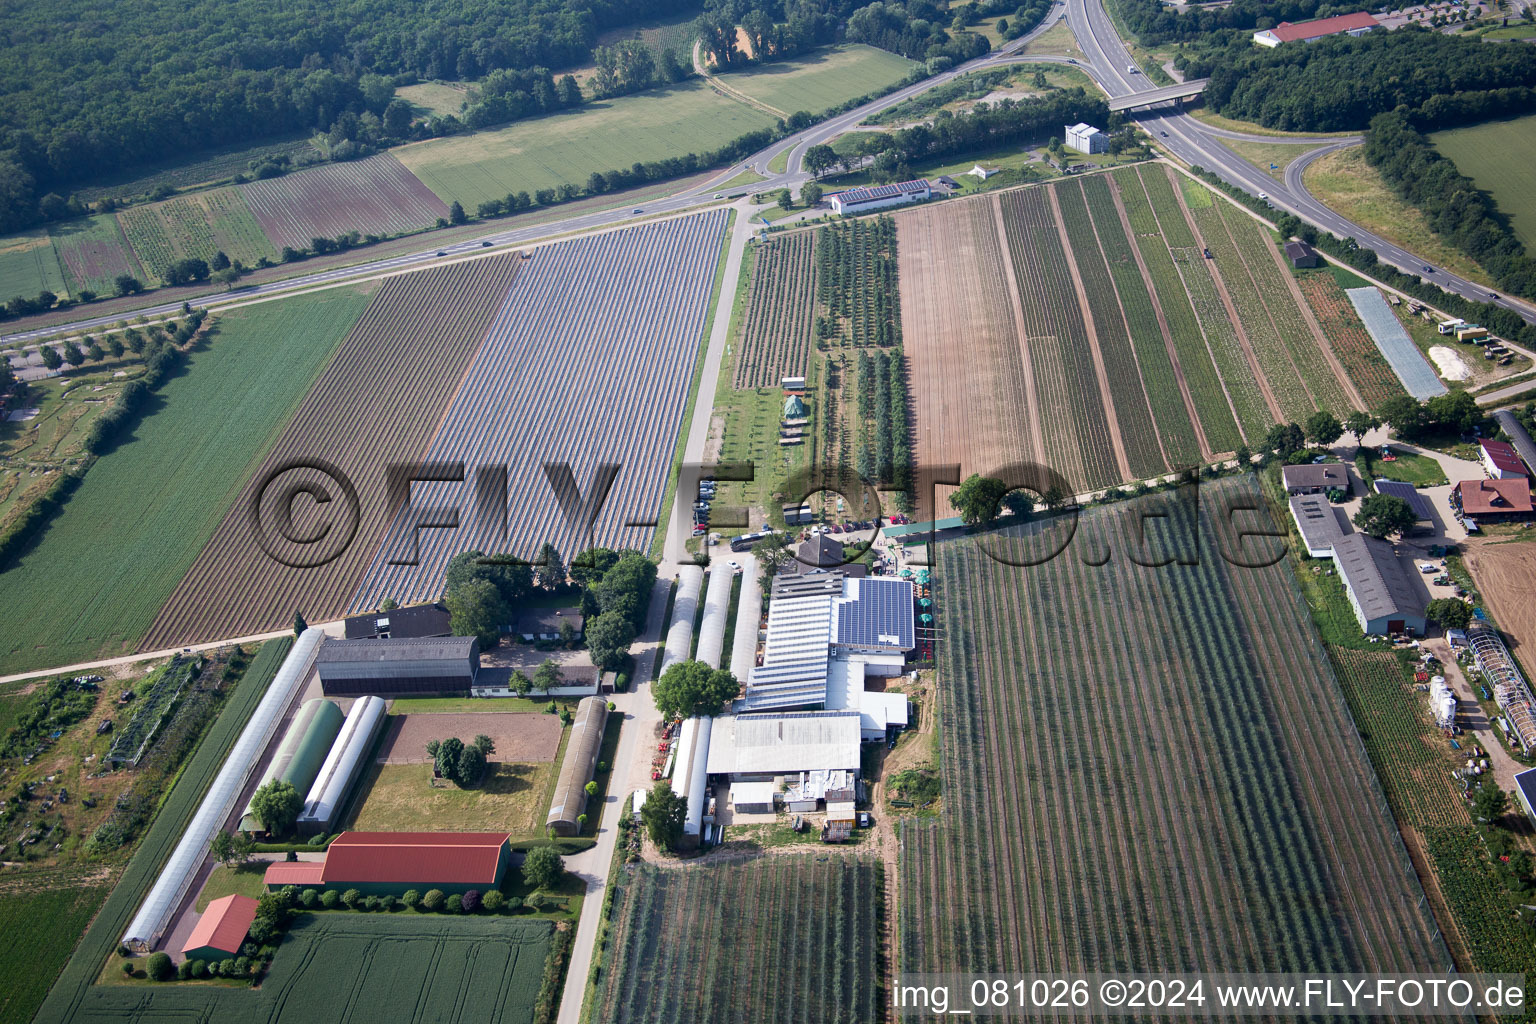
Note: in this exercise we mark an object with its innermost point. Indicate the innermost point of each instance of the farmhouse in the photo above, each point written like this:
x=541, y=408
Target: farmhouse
x=823, y=552
x=1314, y=479
x=579, y=767
x=400, y=623
x=1320, y=523
x=220, y=931
x=343, y=764
x=380, y=863
x=1383, y=588
x=546, y=624
x=1357, y=24
x=1501, y=461
x=1301, y=255
x=862, y=200
x=302, y=752
x=1494, y=501
x=398, y=668
x=1085, y=138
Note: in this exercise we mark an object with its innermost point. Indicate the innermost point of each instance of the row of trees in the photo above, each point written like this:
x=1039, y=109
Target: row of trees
x=1156, y=24
x=1455, y=208
x=462, y=764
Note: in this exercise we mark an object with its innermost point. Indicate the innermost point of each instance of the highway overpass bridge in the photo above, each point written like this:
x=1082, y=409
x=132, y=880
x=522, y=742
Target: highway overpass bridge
x=1152, y=97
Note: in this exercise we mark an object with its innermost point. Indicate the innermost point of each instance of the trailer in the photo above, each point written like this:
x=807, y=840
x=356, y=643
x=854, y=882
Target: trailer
x=1448, y=326
x=1471, y=333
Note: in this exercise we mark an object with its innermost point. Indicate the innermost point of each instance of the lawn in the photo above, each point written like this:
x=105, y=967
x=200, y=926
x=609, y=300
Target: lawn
x=1346, y=184
x=434, y=97
x=29, y=265
x=821, y=79
x=1501, y=157
x=92, y=584
x=1419, y=470
x=1057, y=40
x=566, y=148
x=38, y=930
x=401, y=798
x=241, y=880
x=1264, y=154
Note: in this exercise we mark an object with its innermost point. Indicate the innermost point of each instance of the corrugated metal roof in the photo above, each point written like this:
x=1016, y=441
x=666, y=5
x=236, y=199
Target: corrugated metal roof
x=1503, y=456
x=790, y=742
x=300, y=873
x=420, y=620
x=223, y=925
x=1385, y=585
x=1319, y=522
x=464, y=858
x=1288, y=32
x=438, y=648
x=1518, y=436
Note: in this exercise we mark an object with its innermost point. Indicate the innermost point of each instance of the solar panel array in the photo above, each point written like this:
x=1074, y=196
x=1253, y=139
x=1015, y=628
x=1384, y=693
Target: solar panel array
x=881, y=616
x=1418, y=377
x=865, y=195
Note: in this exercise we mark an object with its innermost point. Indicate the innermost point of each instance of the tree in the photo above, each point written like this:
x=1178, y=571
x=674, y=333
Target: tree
x=1489, y=802
x=810, y=194
x=663, y=814
x=299, y=625
x=456, y=214
x=1055, y=497
x=397, y=117
x=1359, y=423
x=476, y=608
x=277, y=806
x=1284, y=438
x=692, y=688
x=821, y=158
x=784, y=200
x=471, y=766
x=1456, y=410
x=521, y=684
x=351, y=898
x=1040, y=82
x=127, y=284
x=608, y=638
x=1450, y=612
x=433, y=899
x=511, y=576
x=485, y=745
x=1404, y=414
x=542, y=867
x=51, y=358
x=1323, y=427
x=222, y=847
x=1382, y=515
x=547, y=676
x=329, y=899
x=410, y=899
x=470, y=901
x=446, y=760
x=551, y=567
x=159, y=967
x=979, y=499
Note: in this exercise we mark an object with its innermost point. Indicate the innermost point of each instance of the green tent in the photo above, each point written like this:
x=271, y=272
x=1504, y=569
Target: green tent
x=794, y=408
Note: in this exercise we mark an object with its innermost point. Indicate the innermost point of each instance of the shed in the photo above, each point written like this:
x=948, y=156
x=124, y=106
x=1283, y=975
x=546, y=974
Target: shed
x=391, y=862
x=221, y=929
x=1301, y=255
x=1409, y=494
x=579, y=767
x=398, y=667
x=1384, y=588
x=1320, y=523
x=753, y=797
x=1501, y=461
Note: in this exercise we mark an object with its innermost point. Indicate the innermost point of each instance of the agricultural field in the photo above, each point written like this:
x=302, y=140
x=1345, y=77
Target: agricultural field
x=214, y=165
x=376, y=196
x=564, y=149
x=699, y=943
x=41, y=919
x=776, y=336
x=347, y=966
x=1248, y=833
x=1501, y=157
x=821, y=79
x=146, y=507
x=377, y=402
x=28, y=265
x=590, y=361
x=94, y=251
x=195, y=227
x=1367, y=367
x=439, y=98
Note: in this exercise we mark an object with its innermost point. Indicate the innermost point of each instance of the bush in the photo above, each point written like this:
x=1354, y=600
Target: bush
x=514, y=903
x=352, y=897
x=124, y=952
x=128, y=968
x=242, y=967
x=535, y=902
x=159, y=967
x=329, y=899
x=261, y=931
x=410, y=899
x=371, y=903
x=542, y=867
x=471, y=901
x=310, y=898
x=184, y=970
x=388, y=903
x=433, y=900
x=454, y=904
x=227, y=968
x=493, y=900
x=199, y=969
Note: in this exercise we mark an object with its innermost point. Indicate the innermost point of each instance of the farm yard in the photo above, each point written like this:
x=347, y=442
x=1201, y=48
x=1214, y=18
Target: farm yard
x=376, y=196
x=776, y=336
x=347, y=966
x=1249, y=833
x=1101, y=339
x=778, y=938
x=590, y=361
x=195, y=227
x=146, y=507
x=94, y=251
x=513, y=797
x=564, y=149
x=821, y=79
x=377, y=402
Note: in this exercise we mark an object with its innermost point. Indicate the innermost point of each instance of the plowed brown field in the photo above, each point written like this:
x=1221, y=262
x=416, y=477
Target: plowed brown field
x=376, y=404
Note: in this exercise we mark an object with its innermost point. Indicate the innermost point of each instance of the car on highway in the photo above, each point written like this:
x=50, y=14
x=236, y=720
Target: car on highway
x=441, y=253
x=485, y=245
x=1163, y=134
x=637, y=210
x=1264, y=196
x=1429, y=270
x=719, y=195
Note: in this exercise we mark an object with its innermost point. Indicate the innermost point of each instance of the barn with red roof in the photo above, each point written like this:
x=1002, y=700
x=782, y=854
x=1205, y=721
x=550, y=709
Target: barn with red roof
x=392, y=862
x=220, y=932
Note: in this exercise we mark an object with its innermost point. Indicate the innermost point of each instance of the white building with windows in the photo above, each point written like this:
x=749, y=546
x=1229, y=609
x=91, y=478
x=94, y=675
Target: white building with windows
x=1085, y=138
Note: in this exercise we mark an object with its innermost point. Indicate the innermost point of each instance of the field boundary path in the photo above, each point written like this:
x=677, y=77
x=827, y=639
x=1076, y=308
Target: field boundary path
x=1037, y=439
x=1105, y=395
x=730, y=91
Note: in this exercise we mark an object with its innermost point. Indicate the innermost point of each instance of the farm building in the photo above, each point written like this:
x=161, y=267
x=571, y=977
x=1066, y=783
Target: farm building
x=220, y=931
x=411, y=623
x=1301, y=255
x=1085, y=138
x=1501, y=461
x=1314, y=479
x=301, y=754
x=821, y=552
x=1494, y=501
x=380, y=863
x=546, y=624
x=1320, y=523
x=753, y=797
x=1410, y=494
x=328, y=795
x=1383, y=587
x=1357, y=24
x=688, y=775
x=579, y=767
x=1510, y=690
x=762, y=748
x=154, y=917
x=1518, y=436
x=423, y=666
x=1525, y=792
x=862, y=200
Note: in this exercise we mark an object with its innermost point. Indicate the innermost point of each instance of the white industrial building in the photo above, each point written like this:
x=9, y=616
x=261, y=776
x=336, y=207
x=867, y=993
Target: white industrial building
x=328, y=796
x=878, y=197
x=762, y=748
x=1085, y=138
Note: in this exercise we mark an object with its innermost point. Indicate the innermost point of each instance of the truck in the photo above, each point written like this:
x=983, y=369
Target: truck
x=747, y=541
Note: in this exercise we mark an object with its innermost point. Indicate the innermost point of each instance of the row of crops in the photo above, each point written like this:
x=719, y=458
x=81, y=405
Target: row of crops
x=776, y=337
x=856, y=282
x=886, y=454
x=1143, y=767
x=1366, y=366
x=781, y=938
x=376, y=196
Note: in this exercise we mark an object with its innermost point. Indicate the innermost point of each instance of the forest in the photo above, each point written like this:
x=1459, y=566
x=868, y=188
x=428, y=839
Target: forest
x=1340, y=83
x=1156, y=23
x=1449, y=200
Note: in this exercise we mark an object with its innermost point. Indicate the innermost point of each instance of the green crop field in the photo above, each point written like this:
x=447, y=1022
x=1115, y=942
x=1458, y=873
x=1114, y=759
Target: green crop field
x=1501, y=157
x=195, y=226
x=29, y=265
x=559, y=149
x=93, y=252
x=38, y=929
x=92, y=584
x=821, y=79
